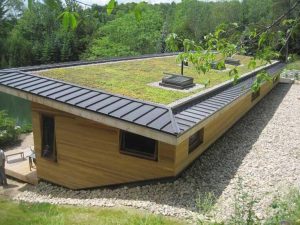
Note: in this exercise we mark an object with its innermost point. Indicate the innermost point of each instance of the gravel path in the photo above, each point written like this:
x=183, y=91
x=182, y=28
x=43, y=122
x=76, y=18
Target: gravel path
x=263, y=150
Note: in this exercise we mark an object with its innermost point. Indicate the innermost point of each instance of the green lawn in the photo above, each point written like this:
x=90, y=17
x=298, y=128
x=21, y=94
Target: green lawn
x=131, y=78
x=12, y=213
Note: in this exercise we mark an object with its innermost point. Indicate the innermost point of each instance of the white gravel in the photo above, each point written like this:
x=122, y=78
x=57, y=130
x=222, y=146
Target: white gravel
x=263, y=149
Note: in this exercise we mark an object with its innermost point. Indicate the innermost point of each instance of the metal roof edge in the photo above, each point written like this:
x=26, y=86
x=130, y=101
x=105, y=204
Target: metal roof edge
x=177, y=105
x=88, y=62
x=98, y=90
x=173, y=130
x=270, y=66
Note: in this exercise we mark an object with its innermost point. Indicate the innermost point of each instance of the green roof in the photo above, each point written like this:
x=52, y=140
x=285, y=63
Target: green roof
x=132, y=78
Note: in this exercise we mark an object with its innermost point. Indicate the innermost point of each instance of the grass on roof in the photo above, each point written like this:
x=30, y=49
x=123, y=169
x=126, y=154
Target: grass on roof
x=131, y=78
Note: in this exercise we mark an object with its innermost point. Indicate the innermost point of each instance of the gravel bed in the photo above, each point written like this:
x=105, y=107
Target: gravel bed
x=291, y=74
x=262, y=149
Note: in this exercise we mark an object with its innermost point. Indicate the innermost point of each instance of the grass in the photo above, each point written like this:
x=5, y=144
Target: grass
x=131, y=78
x=284, y=210
x=205, y=202
x=12, y=213
x=294, y=65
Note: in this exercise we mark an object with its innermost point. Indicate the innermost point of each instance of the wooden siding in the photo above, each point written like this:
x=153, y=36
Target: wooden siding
x=88, y=154
x=217, y=125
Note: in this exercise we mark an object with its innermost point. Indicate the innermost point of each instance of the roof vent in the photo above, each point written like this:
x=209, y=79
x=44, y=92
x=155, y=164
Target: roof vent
x=232, y=61
x=177, y=81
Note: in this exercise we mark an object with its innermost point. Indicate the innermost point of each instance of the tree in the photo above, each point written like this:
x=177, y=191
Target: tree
x=128, y=34
x=9, y=12
x=266, y=41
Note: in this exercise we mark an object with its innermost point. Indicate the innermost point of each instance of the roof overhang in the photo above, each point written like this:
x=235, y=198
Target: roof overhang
x=103, y=119
x=170, y=124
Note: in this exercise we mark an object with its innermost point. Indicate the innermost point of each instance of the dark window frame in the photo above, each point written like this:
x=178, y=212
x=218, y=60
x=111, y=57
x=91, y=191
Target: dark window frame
x=126, y=151
x=255, y=95
x=199, y=141
x=53, y=156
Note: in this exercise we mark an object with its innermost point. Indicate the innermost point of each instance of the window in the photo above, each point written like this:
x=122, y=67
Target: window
x=195, y=140
x=137, y=145
x=48, y=138
x=255, y=95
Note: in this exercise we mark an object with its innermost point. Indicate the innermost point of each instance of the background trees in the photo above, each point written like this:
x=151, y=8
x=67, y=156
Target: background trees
x=36, y=35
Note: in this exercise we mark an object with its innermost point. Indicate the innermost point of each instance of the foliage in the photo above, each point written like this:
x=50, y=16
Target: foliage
x=243, y=208
x=26, y=128
x=66, y=31
x=12, y=213
x=203, y=54
x=45, y=40
x=283, y=210
x=69, y=20
x=265, y=42
x=101, y=48
x=131, y=36
x=205, y=202
x=286, y=209
x=260, y=78
x=110, y=6
x=9, y=131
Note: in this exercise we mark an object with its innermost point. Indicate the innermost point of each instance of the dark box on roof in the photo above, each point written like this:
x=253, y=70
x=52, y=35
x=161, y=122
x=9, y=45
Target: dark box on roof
x=232, y=61
x=177, y=81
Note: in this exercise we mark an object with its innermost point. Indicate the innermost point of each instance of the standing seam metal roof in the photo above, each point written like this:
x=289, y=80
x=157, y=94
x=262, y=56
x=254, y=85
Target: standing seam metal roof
x=196, y=111
x=142, y=113
x=174, y=121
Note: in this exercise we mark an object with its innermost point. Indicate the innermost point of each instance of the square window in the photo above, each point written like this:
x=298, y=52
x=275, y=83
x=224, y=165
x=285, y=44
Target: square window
x=196, y=140
x=137, y=145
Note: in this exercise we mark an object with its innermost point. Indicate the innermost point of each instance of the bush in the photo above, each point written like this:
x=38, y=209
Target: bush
x=26, y=128
x=104, y=48
x=9, y=132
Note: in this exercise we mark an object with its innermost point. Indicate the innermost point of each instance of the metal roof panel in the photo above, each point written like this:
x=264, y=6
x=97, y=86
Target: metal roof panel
x=173, y=121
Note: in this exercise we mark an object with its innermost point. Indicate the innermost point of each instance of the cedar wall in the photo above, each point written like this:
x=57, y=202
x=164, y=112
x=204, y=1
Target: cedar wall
x=88, y=152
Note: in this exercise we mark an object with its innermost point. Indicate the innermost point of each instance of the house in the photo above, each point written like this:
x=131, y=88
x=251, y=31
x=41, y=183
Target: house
x=86, y=137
